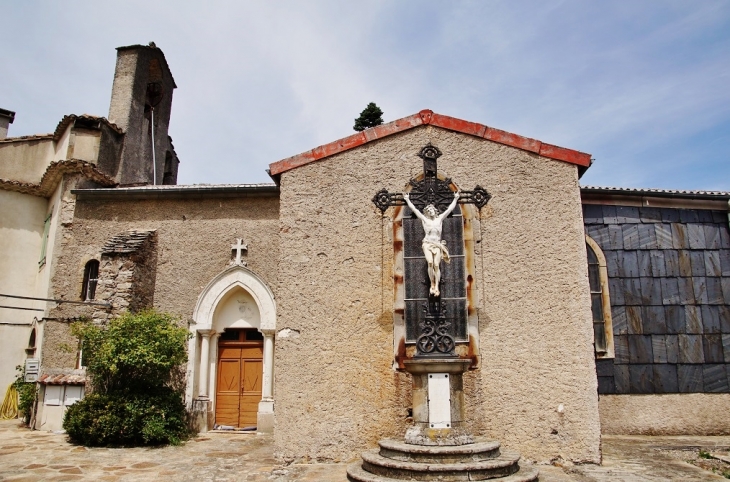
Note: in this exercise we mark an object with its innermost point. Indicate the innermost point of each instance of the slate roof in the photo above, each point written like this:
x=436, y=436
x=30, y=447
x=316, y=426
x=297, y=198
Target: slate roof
x=428, y=117
x=128, y=242
x=656, y=192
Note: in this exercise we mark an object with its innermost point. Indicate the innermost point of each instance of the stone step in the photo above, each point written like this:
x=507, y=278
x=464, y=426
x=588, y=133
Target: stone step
x=355, y=473
x=439, y=454
x=503, y=465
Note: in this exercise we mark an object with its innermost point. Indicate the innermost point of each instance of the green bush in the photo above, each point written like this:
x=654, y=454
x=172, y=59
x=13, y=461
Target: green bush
x=136, y=400
x=26, y=394
x=128, y=419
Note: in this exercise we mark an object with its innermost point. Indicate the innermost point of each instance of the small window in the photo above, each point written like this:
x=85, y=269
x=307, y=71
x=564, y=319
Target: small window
x=44, y=240
x=91, y=278
x=600, y=301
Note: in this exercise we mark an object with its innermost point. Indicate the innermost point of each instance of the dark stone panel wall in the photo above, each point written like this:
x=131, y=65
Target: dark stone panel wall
x=669, y=282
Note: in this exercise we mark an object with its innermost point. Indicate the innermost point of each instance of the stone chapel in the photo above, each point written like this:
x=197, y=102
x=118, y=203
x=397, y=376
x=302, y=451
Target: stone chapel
x=580, y=310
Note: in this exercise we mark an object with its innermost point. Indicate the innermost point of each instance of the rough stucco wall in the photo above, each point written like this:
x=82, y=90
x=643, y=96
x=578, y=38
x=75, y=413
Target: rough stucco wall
x=194, y=237
x=60, y=347
x=335, y=391
x=666, y=414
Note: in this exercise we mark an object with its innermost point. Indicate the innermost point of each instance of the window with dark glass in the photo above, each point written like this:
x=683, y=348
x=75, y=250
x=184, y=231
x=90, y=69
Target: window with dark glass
x=91, y=278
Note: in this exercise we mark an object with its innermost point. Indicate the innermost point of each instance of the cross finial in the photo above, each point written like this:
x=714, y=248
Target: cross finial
x=239, y=248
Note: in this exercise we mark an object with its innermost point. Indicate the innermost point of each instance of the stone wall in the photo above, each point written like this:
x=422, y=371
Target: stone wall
x=336, y=393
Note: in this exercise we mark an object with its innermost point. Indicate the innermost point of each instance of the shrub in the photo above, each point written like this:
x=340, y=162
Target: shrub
x=131, y=363
x=371, y=116
x=26, y=394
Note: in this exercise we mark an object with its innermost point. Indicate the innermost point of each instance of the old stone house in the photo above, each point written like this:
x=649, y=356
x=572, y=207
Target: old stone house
x=581, y=310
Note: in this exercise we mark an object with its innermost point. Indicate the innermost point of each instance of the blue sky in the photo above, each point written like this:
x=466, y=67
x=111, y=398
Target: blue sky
x=642, y=86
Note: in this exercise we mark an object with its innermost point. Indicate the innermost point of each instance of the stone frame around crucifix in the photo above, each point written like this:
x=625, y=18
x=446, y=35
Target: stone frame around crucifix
x=467, y=339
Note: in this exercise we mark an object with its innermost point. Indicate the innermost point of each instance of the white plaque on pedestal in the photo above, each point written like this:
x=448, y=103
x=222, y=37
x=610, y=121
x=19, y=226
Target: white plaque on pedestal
x=439, y=400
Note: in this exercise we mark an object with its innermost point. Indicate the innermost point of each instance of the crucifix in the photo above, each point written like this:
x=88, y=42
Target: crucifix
x=239, y=248
x=431, y=200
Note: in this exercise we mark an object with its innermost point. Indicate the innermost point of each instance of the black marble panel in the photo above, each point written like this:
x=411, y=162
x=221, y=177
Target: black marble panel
x=647, y=236
x=599, y=233
x=609, y=214
x=671, y=262
x=652, y=320
x=712, y=263
x=651, y=291
x=724, y=312
x=699, y=285
x=690, y=378
x=622, y=379
x=711, y=319
x=616, y=289
x=640, y=349
x=685, y=265
x=627, y=214
x=679, y=236
x=724, y=236
x=416, y=276
x=453, y=279
x=712, y=236
x=621, y=349
x=644, y=259
x=712, y=346
x=659, y=348
x=615, y=237
x=612, y=264
x=663, y=236
x=631, y=236
x=715, y=378
x=641, y=378
x=606, y=386
x=725, y=262
x=628, y=264
x=726, y=347
x=686, y=291
x=592, y=214
x=714, y=291
x=704, y=216
x=618, y=317
x=690, y=349
x=688, y=216
x=696, y=235
x=633, y=320
x=693, y=319
x=697, y=259
x=650, y=215
x=670, y=215
x=719, y=217
x=658, y=269
x=670, y=290
x=632, y=291
x=604, y=367
x=665, y=379
x=672, y=342
x=674, y=316
x=725, y=282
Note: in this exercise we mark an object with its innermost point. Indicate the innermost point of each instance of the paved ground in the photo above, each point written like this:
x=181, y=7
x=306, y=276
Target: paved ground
x=39, y=456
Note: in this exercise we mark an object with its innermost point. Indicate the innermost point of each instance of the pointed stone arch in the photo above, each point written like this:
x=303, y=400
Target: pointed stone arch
x=209, y=321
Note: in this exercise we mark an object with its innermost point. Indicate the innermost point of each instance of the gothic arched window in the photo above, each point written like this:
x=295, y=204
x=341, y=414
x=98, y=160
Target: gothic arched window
x=600, y=300
x=91, y=277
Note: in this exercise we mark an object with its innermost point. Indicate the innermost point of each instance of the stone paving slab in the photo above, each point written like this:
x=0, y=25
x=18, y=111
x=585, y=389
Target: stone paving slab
x=32, y=456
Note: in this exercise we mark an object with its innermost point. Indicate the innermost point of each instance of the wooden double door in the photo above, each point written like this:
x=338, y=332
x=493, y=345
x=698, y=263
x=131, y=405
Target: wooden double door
x=238, y=388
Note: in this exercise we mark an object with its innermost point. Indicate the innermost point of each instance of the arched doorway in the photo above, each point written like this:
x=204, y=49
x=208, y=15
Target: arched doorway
x=231, y=353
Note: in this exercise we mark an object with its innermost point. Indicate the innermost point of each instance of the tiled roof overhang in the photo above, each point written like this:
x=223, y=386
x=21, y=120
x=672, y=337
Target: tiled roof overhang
x=54, y=174
x=428, y=117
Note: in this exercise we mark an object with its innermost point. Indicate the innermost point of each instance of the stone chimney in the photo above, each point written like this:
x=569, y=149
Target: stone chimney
x=141, y=97
x=6, y=118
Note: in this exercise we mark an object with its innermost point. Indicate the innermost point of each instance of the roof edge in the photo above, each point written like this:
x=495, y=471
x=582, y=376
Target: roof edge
x=428, y=117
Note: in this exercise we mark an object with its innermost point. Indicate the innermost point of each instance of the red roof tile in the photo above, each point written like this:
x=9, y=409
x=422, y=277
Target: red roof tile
x=428, y=117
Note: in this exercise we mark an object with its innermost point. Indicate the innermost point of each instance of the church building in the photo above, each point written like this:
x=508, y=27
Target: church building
x=578, y=310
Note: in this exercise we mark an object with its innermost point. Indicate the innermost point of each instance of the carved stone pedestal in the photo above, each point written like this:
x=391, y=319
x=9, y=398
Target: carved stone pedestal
x=439, y=445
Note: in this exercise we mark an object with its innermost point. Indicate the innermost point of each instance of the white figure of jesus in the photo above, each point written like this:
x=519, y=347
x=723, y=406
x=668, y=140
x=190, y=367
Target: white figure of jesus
x=434, y=249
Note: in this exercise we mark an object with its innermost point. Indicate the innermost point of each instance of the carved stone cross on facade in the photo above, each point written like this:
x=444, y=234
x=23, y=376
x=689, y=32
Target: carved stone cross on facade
x=431, y=200
x=239, y=248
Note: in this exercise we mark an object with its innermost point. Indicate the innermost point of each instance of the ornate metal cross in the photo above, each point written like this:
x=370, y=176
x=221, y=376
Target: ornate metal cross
x=434, y=339
x=431, y=189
